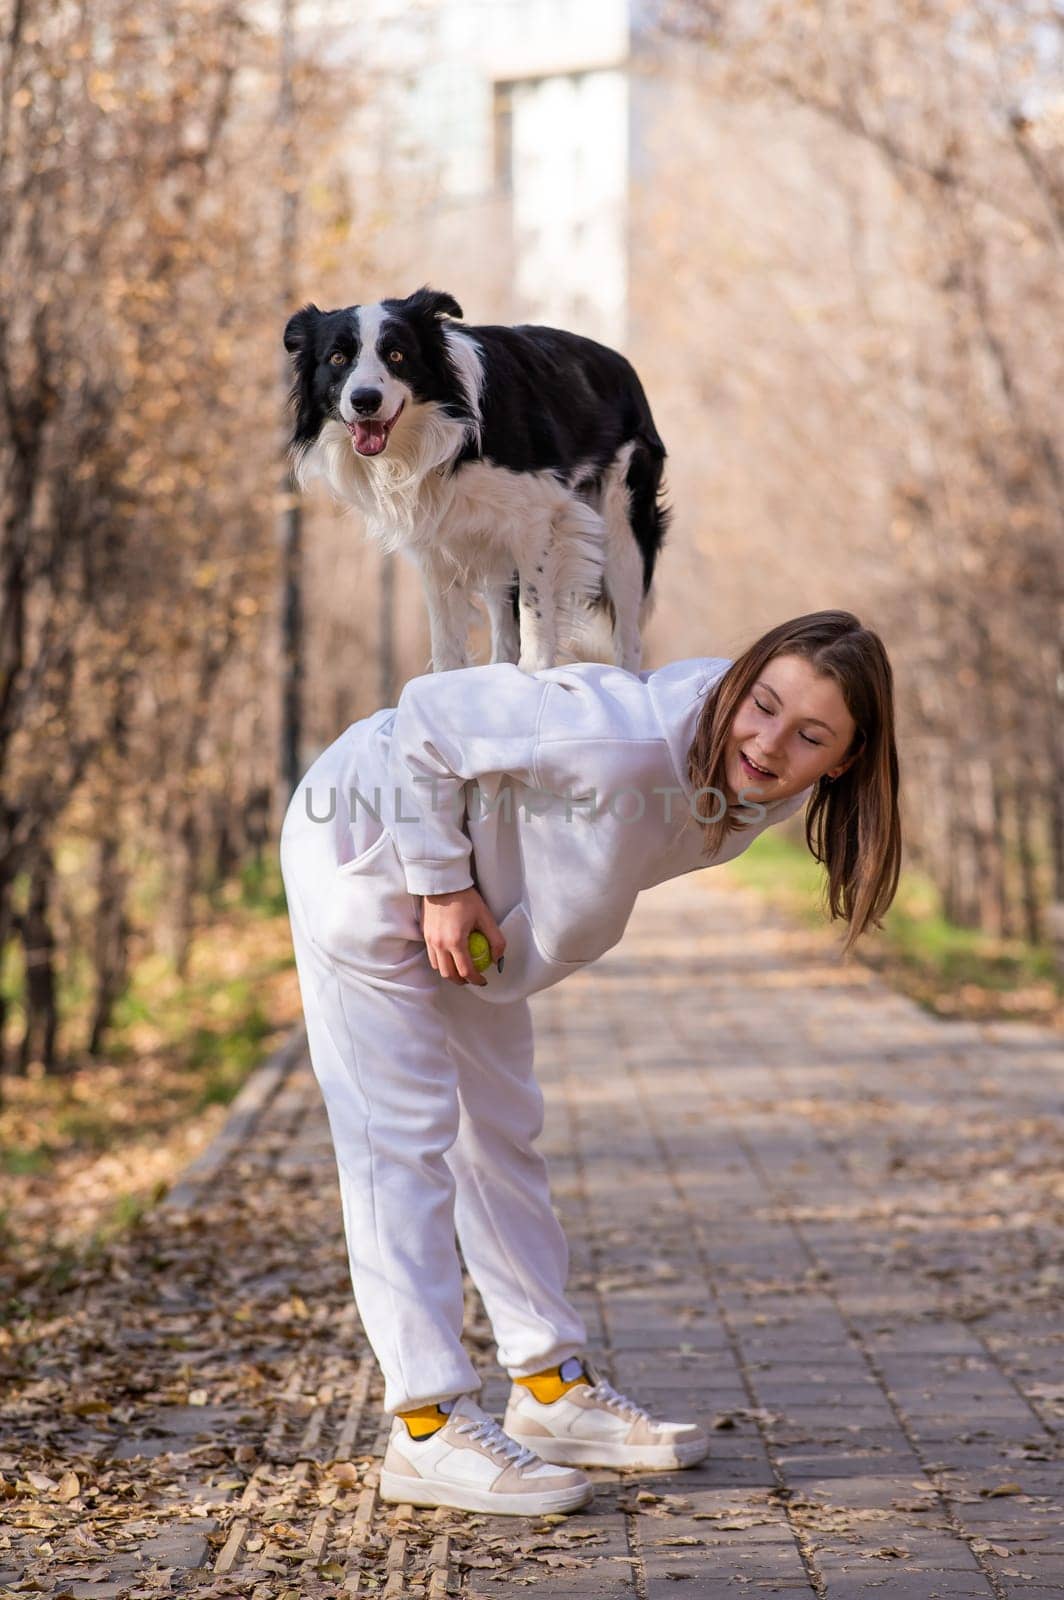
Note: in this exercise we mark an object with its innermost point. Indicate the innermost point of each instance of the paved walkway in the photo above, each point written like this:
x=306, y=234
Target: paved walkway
x=800, y=1209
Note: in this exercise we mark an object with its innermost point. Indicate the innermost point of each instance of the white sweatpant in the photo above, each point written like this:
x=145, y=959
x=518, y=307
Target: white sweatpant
x=433, y=1109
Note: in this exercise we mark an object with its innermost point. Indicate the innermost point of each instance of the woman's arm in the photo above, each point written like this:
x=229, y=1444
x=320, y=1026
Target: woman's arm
x=575, y=731
x=450, y=728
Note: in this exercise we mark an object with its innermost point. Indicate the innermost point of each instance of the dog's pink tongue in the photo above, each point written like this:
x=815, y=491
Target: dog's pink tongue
x=370, y=438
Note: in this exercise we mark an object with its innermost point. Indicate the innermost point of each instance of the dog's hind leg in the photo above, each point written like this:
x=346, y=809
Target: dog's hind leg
x=537, y=572
x=501, y=601
x=580, y=576
x=560, y=572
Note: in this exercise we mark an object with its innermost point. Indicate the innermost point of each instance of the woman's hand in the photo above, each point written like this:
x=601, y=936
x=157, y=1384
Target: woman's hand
x=447, y=920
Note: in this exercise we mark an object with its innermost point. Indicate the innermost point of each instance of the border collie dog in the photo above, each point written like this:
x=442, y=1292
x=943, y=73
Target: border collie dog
x=520, y=464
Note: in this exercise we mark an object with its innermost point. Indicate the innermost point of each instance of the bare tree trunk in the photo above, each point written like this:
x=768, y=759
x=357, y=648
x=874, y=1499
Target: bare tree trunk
x=227, y=850
x=1055, y=746
x=956, y=879
x=187, y=872
x=38, y=946
x=987, y=854
x=257, y=823
x=7, y=929
x=291, y=531
x=111, y=945
x=1029, y=899
x=110, y=951
x=1005, y=910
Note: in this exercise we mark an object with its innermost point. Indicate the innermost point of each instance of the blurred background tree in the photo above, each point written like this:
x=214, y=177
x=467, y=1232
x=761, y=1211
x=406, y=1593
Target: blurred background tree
x=139, y=234
x=877, y=244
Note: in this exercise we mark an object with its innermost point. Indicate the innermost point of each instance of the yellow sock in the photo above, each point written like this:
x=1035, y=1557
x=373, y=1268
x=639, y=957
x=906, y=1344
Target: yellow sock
x=423, y=1421
x=550, y=1384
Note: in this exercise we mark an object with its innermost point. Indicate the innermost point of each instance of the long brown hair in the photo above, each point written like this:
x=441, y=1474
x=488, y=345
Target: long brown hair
x=851, y=821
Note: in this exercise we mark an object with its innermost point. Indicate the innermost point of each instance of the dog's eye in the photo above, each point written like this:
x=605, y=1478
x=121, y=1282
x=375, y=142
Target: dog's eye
x=338, y=359
x=395, y=356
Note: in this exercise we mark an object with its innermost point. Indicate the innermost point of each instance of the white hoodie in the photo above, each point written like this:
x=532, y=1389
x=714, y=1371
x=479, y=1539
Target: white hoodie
x=560, y=794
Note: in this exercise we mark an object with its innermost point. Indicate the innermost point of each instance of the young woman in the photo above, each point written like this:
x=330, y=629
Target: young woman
x=534, y=808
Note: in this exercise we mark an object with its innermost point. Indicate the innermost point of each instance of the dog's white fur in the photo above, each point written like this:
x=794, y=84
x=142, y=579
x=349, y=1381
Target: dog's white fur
x=469, y=531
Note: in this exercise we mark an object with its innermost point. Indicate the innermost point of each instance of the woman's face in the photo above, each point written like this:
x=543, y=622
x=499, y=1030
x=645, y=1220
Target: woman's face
x=794, y=723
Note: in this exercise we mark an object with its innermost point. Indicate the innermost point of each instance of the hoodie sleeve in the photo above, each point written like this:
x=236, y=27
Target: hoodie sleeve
x=450, y=728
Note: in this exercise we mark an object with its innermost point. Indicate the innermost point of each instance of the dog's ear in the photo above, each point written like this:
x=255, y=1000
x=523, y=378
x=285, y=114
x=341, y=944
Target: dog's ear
x=299, y=329
x=426, y=302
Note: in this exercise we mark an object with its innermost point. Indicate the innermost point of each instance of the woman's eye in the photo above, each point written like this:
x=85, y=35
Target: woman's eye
x=338, y=359
x=395, y=356
x=768, y=712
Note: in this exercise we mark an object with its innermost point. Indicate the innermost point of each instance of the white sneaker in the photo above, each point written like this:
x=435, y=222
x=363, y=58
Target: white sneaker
x=591, y=1425
x=470, y=1463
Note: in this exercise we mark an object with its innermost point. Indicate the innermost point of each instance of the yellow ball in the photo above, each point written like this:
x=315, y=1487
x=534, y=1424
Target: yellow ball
x=480, y=950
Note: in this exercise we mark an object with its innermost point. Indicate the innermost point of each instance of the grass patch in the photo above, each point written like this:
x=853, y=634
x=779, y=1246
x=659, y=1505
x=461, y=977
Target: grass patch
x=23, y=1163
x=261, y=889
x=952, y=971
x=227, y=1057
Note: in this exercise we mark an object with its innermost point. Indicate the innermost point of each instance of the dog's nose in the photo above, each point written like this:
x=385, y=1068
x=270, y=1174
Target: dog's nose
x=364, y=402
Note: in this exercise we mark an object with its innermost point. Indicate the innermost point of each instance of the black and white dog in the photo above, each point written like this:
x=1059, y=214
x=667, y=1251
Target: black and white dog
x=522, y=464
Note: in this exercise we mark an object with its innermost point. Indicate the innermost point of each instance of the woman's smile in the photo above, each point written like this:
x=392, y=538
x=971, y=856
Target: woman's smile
x=753, y=769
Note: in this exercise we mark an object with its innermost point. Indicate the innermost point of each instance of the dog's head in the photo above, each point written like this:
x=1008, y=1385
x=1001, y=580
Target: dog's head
x=368, y=366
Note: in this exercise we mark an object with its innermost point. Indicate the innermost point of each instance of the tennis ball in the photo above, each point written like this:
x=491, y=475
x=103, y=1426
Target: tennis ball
x=480, y=950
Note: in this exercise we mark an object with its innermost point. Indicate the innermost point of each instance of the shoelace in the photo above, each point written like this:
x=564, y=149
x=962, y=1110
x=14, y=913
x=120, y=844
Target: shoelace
x=618, y=1402
x=488, y=1432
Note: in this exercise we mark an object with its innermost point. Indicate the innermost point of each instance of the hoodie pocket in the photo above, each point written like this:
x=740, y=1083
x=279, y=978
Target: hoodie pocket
x=366, y=854
x=367, y=918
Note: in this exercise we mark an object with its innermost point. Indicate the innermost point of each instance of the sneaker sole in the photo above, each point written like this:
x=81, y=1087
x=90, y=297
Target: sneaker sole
x=587, y=1453
x=423, y=1492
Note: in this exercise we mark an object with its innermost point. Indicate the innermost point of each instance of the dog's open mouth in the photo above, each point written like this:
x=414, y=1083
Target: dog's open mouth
x=370, y=438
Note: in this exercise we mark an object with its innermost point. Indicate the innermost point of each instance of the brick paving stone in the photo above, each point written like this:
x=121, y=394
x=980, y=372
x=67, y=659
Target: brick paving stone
x=902, y=1585
x=179, y=1547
